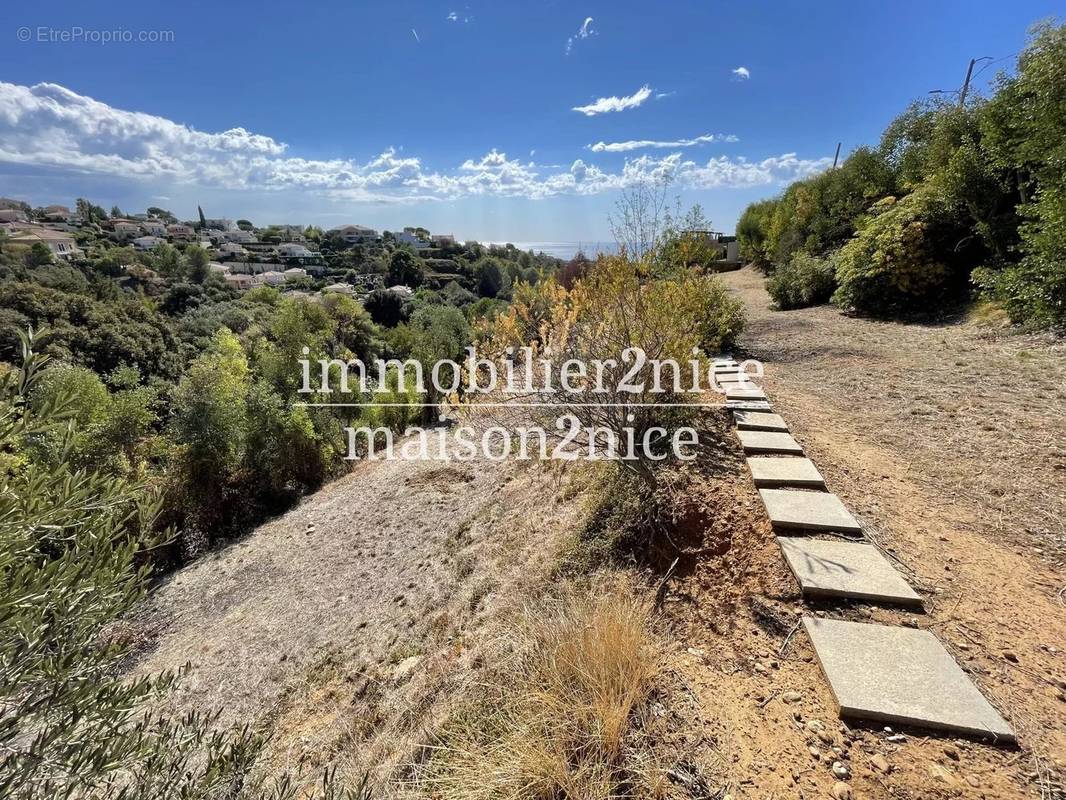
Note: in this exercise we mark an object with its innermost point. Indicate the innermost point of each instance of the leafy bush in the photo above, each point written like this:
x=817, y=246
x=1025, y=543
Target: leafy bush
x=804, y=281
x=898, y=263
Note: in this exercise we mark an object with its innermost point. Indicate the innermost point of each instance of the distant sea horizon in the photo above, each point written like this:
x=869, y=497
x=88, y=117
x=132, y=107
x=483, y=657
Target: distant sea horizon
x=563, y=250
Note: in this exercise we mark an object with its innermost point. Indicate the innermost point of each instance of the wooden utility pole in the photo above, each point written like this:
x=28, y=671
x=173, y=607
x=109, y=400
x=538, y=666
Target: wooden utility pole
x=966, y=83
x=837, y=156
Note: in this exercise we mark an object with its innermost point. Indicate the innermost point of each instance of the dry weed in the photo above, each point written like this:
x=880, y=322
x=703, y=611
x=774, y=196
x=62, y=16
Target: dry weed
x=562, y=713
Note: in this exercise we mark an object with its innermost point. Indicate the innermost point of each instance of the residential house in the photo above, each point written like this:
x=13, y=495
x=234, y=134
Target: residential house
x=233, y=250
x=272, y=278
x=400, y=289
x=154, y=227
x=355, y=234
x=8, y=204
x=179, y=231
x=221, y=224
x=442, y=239
x=59, y=214
x=406, y=237
x=239, y=236
x=294, y=250
x=13, y=215
x=338, y=288
x=242, y=282
x=292, y=233
x=126, y=229
x=294, y=274
x=61, y=244
x=148, y=242
x=221, y=269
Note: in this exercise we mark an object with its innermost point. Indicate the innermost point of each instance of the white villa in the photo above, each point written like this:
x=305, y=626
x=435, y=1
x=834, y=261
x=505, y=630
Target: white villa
x=239, y=236
x=338, y=288
x=241, y=281
x=154, y=227
x=148, y=242
x=232, y=249
x=294, y=274
x=272, y=278
x=294, y=250
x=406, y=237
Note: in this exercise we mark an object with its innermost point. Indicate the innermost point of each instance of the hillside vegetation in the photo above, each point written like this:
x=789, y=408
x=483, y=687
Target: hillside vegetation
x=958, y=199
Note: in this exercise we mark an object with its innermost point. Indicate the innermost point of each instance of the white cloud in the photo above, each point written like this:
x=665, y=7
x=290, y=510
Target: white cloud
x=453, y=17
x=661, y=95
x=644, y=144
x=415, y=33
x=742, y=73
x=606, y=104
x=52, y=127
x=584, y=32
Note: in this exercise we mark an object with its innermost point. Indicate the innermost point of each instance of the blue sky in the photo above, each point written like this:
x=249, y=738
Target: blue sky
x=462, y=117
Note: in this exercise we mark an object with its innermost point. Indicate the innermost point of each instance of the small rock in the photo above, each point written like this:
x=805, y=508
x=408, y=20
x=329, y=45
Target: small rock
x=815, y=725
x=841, y=791
x=692, y=651
x=760, y=668
x=951, y=753
x=826, y=737
x=972, y=780
x=840, y=771
x=791, y=697
x=815, y=752
x=897, y=737
x=880, y=763
x=962, y=645
x=1011, y=656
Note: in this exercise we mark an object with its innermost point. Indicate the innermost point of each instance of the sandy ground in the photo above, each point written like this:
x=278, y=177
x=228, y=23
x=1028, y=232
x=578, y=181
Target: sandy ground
x=340, y=627
x=948, y=444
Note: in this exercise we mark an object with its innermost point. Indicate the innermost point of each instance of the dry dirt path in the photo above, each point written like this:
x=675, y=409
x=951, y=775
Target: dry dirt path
x=949, y=444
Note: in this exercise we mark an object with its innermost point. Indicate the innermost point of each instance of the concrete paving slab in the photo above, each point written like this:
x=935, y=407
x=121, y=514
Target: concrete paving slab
x=759, y=421
x=731, y=377
x=775, y=472
x=832, y=568
x=748, y=405
x=722, y=369
x=901, y=676
x=813, y=511
x=769, y=442
x=751, y=393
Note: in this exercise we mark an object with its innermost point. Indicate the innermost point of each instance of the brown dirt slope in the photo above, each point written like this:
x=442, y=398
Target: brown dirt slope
x=949, y=444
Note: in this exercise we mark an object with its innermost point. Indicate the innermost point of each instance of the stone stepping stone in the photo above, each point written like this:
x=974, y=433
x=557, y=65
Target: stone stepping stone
x=829, y=568
x=901, y=676
x=752, y=393
x=770, y=472
x=813, y=511
x=731, y=377
x=759, y=421
x=724, y=369
x=769, y=442
x=748, y=405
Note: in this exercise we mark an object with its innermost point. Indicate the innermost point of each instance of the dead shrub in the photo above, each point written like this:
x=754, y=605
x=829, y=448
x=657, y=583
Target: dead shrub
x=562, y=713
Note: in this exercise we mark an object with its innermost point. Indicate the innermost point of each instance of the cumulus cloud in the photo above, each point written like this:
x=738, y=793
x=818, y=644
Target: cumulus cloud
x=50, y=126
x=584, y=32
x=644, y=144
x=607, y=104
x=742, y=73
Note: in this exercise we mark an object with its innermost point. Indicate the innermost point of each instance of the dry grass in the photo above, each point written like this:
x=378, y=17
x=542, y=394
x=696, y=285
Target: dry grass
x=562, y=714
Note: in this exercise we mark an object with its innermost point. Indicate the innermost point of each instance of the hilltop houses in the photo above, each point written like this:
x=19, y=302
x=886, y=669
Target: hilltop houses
x=284, y=255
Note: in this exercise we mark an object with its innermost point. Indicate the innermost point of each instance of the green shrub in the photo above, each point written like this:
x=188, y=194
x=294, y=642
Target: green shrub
x=803, y=281
x=905, y=259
